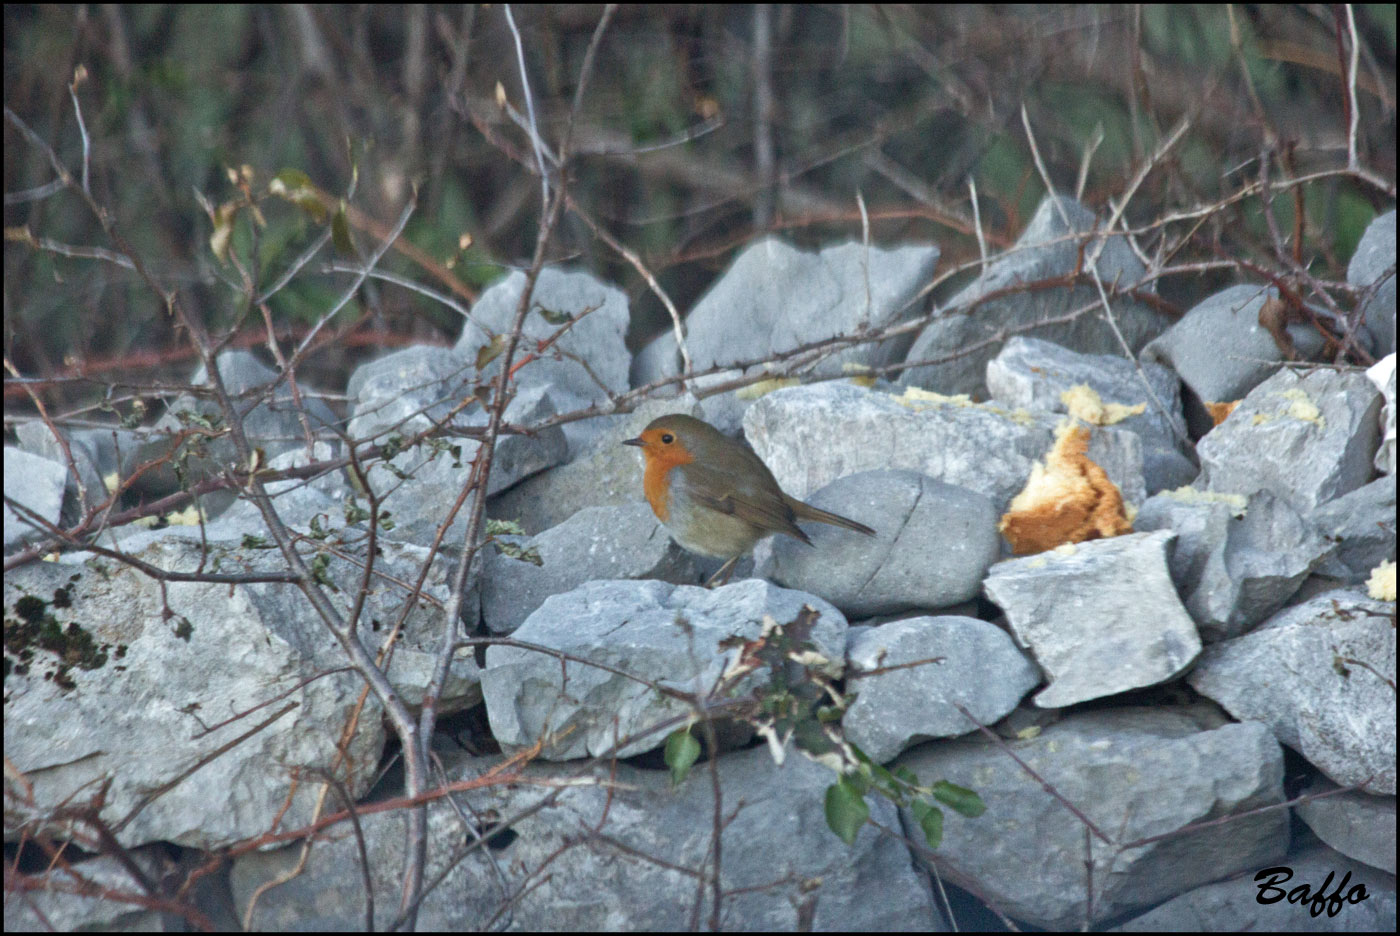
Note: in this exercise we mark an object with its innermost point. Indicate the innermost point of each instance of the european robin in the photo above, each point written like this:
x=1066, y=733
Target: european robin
x=716, y=497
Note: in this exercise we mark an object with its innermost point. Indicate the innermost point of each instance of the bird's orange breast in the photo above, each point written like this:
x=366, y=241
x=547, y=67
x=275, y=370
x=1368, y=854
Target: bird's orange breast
x=656, y=481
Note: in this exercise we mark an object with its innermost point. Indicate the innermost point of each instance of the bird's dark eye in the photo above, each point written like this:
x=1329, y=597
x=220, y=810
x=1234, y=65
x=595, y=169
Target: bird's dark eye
x=667, y=438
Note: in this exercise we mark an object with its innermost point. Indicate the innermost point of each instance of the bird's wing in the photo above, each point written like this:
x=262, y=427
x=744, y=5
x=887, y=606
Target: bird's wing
x=763, y=509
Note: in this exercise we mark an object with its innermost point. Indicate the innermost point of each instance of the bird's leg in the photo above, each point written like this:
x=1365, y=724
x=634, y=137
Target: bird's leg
x=722, y=576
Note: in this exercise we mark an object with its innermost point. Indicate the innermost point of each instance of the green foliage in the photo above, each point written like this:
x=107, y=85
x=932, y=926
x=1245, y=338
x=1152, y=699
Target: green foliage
x=801, y=706
x=320, y=571
x=296, y=187
x=1004, y=168
x=903, y=788
x=846, y=811
x=552, y=316
x=1352, y=216
x=341, y=236
x=305, y=301
x=682, y=751
x=1085, y=114
x=354, y=513
x=490, y=351
x=961, y=799
x=520, y=553
x=495, y=529
x=930, y=820
x=1196, y=37
x=653, y=91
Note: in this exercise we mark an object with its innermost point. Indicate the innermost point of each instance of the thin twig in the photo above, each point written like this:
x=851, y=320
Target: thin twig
x=530, y=109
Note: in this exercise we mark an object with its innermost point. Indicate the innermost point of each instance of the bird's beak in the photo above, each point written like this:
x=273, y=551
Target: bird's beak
x=637, y=442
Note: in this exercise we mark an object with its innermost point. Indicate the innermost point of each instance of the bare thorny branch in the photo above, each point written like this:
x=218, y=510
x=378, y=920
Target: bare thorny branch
x=413, y=736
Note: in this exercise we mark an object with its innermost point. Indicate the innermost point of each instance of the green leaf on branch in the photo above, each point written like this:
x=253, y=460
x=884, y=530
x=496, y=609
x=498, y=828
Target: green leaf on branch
x=340, y=234
x=904, y=775
x=504, y=528
x=552, y=316
x=960, y=799
x=296, y=187
x=682, y=751
x=391, y=447
x=490, y=351
x=858, y=780
x=930, y=819
x=846, y=811
x=320, y=571
x=354, y=513
x=222, y=233
x=516, y=551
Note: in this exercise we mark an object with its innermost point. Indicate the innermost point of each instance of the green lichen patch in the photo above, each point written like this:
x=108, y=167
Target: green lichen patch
x=30, y=626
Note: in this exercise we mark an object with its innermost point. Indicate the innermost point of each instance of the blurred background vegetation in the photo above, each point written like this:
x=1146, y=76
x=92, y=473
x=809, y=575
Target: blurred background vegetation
x=703, y=127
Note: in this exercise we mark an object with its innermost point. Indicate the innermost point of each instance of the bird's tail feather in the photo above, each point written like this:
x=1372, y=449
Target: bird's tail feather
x=808, y=512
